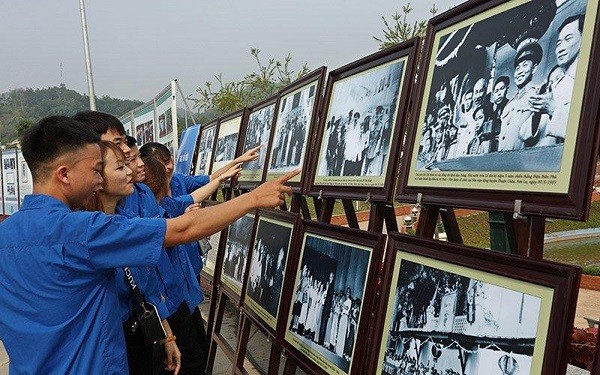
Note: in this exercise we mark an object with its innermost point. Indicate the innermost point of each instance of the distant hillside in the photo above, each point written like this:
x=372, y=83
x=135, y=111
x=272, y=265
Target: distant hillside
x=30, y=105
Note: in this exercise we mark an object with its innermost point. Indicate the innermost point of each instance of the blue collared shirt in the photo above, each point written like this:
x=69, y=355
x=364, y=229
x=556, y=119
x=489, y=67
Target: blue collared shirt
x=161, y=285
x=58, y=300
x=182, y=185
x=179, y=255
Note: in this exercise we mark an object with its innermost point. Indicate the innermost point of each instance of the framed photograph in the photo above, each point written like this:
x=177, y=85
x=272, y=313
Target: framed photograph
x=506, y=93
x=205, y=147
x=329, y=305
x=237, y=247
x=257, y=132
x=211, y=248
x=452, y=309
x=271, y=250
x=295, y=124
x=226, y=147
x=365, y=104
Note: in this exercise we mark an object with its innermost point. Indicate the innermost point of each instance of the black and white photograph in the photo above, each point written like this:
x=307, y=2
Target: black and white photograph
x=327, y=301
x=267, y=268
x=205, y=150
x=24, y=171
x=501, y=91
x=442, y=323
x=226, y=148
x=258, y=132
x=227, y=140
x=148, y=131
x=292, y=129
x=11, y=190
x=237, y=246
x=209, y=247
x=10, y=163
x=359, y=125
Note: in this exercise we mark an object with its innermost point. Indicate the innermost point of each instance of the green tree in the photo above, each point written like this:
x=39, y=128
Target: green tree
x=23, y=125
x=399, y=29
x=227, y=97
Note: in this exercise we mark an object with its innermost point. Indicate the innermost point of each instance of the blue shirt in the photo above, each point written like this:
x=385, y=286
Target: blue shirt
x=58, y=301
x=161, y=285
x=182, y=185
x=179, y=255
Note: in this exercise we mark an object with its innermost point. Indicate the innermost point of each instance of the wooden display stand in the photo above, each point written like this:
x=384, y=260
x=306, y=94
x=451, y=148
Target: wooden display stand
x=217, y=339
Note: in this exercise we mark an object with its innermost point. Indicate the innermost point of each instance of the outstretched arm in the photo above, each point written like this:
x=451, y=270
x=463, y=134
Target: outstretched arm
x=198, y=224
x=207, y=190
x=249, y=155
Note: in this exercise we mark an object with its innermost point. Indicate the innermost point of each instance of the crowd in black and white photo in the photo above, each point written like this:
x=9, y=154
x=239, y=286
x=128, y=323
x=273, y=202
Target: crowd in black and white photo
x=257, y=133
x=327, y=317
x=268, y=265
x=226, y=147
x=289, y=140
x=205, y=150
x=513, y=93
x=236, y=248
x=359, y=127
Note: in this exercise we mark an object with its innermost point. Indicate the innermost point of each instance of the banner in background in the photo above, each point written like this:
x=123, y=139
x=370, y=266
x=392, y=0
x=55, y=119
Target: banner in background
x=24, y=178
x=9, y=177
x=155, y=120
x=185, y=155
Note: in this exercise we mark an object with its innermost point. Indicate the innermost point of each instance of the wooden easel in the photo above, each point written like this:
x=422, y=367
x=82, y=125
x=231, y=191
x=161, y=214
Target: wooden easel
x=244, y=337
x=216, y=338
x=524, y=234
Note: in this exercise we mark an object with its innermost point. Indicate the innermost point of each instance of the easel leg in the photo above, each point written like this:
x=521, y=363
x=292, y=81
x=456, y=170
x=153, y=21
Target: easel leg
x=427, y=221
x=246, y=324
x=451, y=225
x=290, y=367
x=274, y=360
x=327, y=210
x=350, y=213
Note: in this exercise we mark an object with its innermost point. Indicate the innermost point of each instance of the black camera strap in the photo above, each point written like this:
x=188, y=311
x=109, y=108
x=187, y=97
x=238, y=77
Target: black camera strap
x=130, y=280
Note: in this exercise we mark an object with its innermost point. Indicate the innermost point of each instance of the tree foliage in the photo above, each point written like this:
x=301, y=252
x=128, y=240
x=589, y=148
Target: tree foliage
x=19, y=108
x=398, y=29
x=227, y=97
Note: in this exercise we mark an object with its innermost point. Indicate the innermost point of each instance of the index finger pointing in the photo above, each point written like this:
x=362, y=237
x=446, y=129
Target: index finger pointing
x=283, y=179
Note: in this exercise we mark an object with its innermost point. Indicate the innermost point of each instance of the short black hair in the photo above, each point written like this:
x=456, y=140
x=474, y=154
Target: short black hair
x=578, y=17
x=100, y=122
x=502, y=79
x=131, y=141
x=52, y=137
x=155, y=149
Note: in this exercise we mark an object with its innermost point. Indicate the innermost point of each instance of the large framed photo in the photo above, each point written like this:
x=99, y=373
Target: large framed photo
x=235, y=259
x=330, y=301
x=508, y=108
x=257, y=132
x=452, y=309
x=205, y=147
x=365, y=104
x=226, y=147
x=295, y=124
x=271, y=255
x=211, y=248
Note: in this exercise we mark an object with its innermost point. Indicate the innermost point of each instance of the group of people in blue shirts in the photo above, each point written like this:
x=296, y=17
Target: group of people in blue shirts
x=98, y=205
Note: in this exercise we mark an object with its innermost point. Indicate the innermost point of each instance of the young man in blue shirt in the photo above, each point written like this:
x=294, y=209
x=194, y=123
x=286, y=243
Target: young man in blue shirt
x=58, y=304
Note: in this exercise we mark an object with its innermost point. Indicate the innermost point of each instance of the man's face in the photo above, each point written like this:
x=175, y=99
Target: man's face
x=499, y=92
x=84, y=168
x=524, y=72
x=567, y=45
x=479, y=117
x=479, y=92
x=117, y=138
x=136, y=164
x=468, y=101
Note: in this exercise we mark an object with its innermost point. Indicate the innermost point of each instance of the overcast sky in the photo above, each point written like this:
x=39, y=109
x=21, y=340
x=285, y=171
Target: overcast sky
x=137, y=46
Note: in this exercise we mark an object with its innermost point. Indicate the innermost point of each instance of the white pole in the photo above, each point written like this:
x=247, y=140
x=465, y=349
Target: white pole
x=88, y=61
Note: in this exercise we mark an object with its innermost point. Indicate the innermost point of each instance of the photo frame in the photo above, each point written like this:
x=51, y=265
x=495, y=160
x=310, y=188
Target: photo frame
x=211, y=251
x=364, y=109
x=238, y=240
x=329, y=305
x=205, y=147
x=227, y=142
x=272, y=256
x=448, y=307
x=507, y=109
x=257, y=130
x=296, y=116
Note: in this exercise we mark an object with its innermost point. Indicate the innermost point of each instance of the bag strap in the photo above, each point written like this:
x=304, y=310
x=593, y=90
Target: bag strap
x=139, y=297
